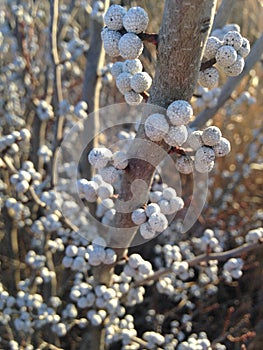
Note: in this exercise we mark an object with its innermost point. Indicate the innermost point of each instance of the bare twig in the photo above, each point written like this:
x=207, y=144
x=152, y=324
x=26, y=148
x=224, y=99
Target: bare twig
x=230, y=85
x=57, y=95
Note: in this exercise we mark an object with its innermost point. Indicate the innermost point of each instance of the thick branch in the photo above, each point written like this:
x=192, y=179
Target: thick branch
x=183, y=33
x=231, y=84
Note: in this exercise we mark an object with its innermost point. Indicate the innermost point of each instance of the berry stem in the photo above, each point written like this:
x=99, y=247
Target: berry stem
x=207, y=64
x=150, y=38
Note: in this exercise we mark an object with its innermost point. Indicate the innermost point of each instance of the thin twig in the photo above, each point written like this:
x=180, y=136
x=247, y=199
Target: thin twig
x=57, y=95
x=204, y=258
x=45, y=345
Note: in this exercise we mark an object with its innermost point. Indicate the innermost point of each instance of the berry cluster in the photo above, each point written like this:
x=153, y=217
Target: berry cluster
x=44, y=110
x=254, y=235
x=121, y=38
x=152, y=219
x=171, y=128
x=228, y=53
x=137, y=268
x=131, y=81
x=10, y=143
x=233, y=269
x=208, y=241
x=81, y=258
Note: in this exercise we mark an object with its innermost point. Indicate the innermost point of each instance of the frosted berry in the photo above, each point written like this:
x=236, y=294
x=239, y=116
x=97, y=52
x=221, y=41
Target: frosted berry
x=205, y=154
x=211, y=135
x=176, y=136
x=233, y=38
x=226, y=55
x=120, y=160
x=111, y=40
x=169, y=207
x=204, y=167
x=114, y=17
x=184, y=164
x=99, y=157
x=130, y=46
x=209, y=77
x=132, y=66
x=123, y=82
x=141, y=82
x=179, y=112
x=105, y=191
x=195, y=140
x=133, y=98
x=236, y=68
x=244, y=49
x=117, y=69
x=169, y=193
x=222, y=148
x=158, y=222
x=90, y=191
x=110, y=174
x=156, y=126
x=152, y=208
x=139, y=216
x=212, y=45
x=146, y=231
x=204, y=159
x=136, y=20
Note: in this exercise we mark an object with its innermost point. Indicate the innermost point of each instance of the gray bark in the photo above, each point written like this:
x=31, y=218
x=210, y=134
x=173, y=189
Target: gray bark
x=183, y=33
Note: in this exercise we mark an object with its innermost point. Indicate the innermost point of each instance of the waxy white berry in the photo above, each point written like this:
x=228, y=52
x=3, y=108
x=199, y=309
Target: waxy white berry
x=236, y=68
x=114, y=17
x=132, y=66
x=226, y=55
x=209, y=77
x=133, y=98
x=130, y=46
x=136, y=20
x=222, y=148
x=233, y=38
x=156, y=127
x=111, y=40
x=176, y=136
x=212, y=45
x=141, y=82
x=211, y=135
x=123, y=82
x=179, y=112
x=99, y=157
